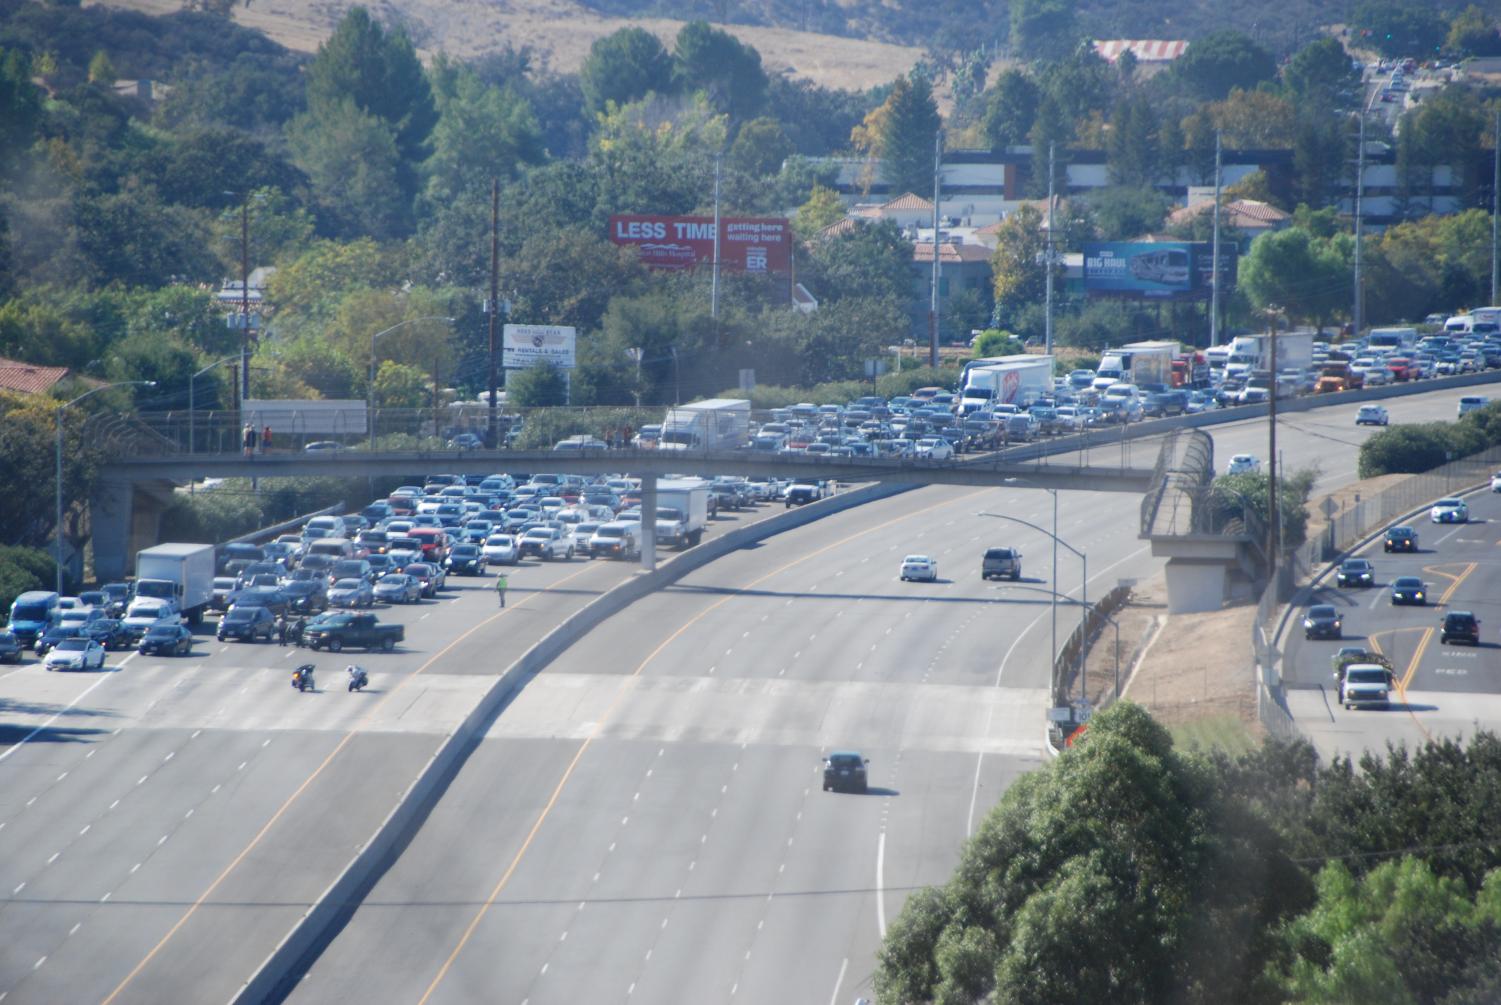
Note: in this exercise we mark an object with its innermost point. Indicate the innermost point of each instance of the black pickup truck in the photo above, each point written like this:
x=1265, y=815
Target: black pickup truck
x=335, y=630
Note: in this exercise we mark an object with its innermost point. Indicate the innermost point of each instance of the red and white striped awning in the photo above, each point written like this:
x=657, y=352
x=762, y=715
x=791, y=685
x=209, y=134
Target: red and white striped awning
x=1146, y=50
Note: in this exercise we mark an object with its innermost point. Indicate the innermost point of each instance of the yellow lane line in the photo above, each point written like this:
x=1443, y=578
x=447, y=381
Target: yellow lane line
x=235, y=862
x=600, y=723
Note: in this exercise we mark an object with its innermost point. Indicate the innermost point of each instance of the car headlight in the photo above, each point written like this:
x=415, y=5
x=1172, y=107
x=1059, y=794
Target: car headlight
x=1307, y=623
x=1419, y=594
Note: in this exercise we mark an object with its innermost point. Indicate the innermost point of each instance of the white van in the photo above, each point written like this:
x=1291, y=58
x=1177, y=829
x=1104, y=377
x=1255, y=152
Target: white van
x=1471, y=402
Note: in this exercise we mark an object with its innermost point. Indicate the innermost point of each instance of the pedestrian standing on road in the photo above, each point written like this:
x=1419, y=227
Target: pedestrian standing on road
x=248, y=439
x=500, y=588
x=266, y=440
x=281, y=631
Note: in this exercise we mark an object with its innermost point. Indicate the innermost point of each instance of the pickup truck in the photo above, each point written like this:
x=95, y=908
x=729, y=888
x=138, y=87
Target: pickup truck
x=335, y=630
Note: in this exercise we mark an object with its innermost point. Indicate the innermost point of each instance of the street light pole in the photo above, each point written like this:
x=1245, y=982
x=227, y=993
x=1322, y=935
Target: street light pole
x=370, y=383
x=1083, y=587
x=57, y=472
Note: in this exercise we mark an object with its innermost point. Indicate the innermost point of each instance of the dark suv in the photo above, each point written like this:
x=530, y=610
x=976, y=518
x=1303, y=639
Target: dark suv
x=1322, y=622
x=247, y=624
x=844, y=770
x=1401, y=539
x=1460, y=626
x=1000, y=562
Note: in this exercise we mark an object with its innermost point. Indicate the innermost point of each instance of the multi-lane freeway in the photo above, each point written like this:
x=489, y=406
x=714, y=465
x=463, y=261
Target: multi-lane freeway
x=644, y=821
x=1444, y=689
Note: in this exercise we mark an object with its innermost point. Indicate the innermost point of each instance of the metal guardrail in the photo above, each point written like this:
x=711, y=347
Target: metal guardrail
x=1365, y=516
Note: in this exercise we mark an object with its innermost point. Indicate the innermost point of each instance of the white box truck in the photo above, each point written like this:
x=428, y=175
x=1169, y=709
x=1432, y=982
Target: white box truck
x=181, y=574
x=716, y=424
x=1005, y=380
x=682, y=511
x=1145, y=364
x=1249, y=353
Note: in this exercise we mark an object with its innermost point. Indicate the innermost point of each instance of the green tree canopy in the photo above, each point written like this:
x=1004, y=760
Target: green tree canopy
x=543, y=385
x=1308, y=278
x=1321, y=76
x=1119, y=874
x=727, y=70
x=872, y=261
x=1121, y=213
x=354, y=163
x=760, y=147
x=1010, y=109
x=624, y=66
x=907, y=134
x=483, y=132
x=1043, y=29
x=1019, y=264
x=1400, y=29
x=1220, y=62
x=1473, y=33
x=379, y=73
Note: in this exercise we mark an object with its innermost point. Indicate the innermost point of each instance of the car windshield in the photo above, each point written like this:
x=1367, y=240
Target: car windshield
x=347, y=584
x=72, y=645
x=1321, y=611
x=161, y=631
x=240, y=614
x=1407, y=582
x=1367, y=675
x=844, y=760
x=1399, y=532
x=1356, y=565
x=610, y=532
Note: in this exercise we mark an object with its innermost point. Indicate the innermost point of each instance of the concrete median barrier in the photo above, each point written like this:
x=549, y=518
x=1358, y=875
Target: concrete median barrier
x=276, y=976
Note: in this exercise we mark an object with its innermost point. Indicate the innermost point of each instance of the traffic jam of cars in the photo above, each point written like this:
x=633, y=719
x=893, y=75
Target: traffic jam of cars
x=302, y=586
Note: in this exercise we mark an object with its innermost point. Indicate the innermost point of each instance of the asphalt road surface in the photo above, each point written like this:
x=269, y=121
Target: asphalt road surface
x=1445, y=690
x=645, y=821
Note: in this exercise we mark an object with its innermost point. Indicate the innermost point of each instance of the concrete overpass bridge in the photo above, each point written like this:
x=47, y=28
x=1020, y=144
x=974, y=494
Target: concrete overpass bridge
x=146, y=461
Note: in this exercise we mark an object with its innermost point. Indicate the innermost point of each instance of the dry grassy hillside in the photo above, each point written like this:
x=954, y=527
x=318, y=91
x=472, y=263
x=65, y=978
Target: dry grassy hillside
x=560, y=31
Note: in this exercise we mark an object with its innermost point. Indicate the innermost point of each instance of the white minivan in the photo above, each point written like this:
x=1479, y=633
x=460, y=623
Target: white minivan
x=1471, y=402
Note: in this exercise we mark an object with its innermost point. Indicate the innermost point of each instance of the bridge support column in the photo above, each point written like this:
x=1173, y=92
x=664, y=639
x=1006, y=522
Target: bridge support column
x=1195, y=585
x=124, y=517
x=649, y=523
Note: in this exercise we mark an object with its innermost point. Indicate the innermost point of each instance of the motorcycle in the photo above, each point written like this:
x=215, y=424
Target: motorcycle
x=357, y=678
x=302, y=677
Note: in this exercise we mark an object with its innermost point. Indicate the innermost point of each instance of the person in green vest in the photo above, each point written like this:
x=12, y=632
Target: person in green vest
x=500, y=588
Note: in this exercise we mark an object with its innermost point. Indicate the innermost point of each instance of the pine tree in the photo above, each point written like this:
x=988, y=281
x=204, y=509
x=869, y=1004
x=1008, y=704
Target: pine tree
x=906, y=136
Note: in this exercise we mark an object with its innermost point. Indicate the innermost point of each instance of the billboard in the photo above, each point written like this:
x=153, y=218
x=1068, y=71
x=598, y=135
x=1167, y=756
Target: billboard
x=527, y=345
x=1161, y=270
x=752, y=245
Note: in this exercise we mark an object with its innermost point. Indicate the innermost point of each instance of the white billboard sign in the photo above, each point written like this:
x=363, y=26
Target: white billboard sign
x=528, y=345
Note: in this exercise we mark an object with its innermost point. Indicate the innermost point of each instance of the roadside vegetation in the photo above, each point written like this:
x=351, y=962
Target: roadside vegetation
x=1131, y=871
x=1419, y=447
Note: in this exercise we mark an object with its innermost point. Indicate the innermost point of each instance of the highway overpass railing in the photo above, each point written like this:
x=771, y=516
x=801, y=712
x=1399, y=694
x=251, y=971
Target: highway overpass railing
x=1363, y=515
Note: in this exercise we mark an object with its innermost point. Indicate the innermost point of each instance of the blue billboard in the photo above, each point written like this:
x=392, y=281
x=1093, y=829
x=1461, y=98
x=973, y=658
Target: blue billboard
x=1161, y=270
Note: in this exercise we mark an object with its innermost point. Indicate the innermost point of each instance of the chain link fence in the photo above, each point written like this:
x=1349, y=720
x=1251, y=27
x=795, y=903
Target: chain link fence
x=1361, y=517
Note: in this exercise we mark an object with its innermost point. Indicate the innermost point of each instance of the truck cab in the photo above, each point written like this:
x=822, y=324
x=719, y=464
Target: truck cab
x=32, y=613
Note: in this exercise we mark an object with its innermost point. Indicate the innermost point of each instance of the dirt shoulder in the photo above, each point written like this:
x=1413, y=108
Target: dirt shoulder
x=1186, y=668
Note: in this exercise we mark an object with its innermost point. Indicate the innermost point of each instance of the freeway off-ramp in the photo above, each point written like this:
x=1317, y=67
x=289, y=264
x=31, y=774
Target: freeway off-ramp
x=1446, y=690
x=167, y=829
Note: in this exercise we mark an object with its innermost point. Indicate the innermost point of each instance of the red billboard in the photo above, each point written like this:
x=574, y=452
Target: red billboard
x=750, y=244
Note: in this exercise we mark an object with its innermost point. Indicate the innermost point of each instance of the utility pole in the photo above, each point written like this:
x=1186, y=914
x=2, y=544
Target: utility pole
x=245, y=297
x=493, y=439
x=714, y=288
x=1214, y=264
x=1495, y=206
x=933, y=292
x=1274, y=539
x=1048, y=315
x=1359, y=313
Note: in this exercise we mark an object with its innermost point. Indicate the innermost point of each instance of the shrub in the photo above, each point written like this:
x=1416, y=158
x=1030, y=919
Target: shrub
x=1410, y=449
x=22, y=569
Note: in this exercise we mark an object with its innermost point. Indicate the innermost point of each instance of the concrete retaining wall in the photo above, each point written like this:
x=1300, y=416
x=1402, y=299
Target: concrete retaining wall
x=271, y=980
